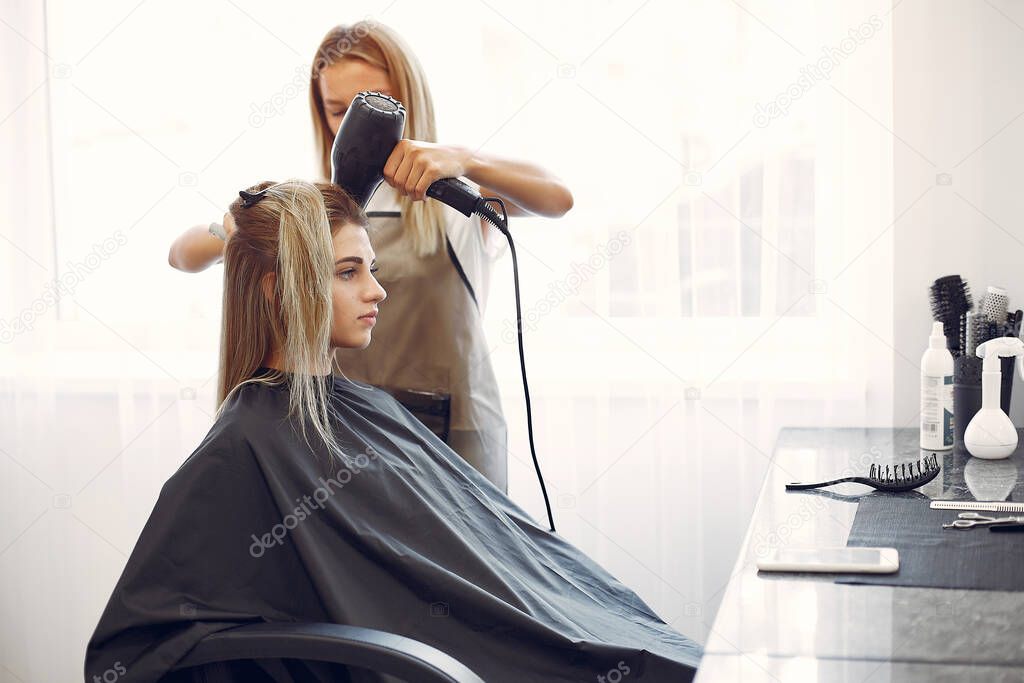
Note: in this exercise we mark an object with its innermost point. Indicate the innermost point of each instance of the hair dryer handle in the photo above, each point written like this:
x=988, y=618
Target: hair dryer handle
x=456, y=194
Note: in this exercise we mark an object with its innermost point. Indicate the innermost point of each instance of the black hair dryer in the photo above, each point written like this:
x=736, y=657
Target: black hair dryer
x=368, y=134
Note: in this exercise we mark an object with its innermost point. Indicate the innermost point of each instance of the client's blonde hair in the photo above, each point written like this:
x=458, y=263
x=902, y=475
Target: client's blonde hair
x=288, y=233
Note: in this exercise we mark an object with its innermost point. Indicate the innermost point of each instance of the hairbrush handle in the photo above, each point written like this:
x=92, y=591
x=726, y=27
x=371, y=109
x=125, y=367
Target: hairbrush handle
x=798, y=486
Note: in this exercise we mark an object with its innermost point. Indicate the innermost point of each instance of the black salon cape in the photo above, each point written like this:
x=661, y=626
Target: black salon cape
x=415, y=542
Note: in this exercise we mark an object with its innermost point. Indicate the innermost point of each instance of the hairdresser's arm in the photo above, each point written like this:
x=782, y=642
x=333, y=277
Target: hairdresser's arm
x=196, y=249
x=525, y=188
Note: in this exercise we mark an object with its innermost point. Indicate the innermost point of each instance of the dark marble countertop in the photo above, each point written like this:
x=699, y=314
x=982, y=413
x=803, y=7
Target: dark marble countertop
x=811, y=624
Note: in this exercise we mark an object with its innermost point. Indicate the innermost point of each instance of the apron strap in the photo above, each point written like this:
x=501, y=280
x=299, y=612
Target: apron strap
x=462, y=273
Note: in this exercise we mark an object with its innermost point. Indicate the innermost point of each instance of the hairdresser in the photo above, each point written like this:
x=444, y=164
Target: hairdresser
x=428, y=347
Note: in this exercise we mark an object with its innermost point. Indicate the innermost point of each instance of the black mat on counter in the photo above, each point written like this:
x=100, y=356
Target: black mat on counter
x=933, y=557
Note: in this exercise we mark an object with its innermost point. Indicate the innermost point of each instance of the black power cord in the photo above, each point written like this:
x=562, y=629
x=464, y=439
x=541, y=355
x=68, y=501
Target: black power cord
x=488, y=213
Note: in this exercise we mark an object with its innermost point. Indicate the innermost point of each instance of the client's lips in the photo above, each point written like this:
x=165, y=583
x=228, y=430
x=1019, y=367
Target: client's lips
x=372, y=315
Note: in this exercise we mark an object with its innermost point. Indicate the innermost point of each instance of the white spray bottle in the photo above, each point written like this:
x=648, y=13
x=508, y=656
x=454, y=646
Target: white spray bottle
x=937, y=393
x=990, y=434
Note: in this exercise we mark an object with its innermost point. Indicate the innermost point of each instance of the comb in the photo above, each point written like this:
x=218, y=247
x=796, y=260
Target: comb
x=893, y=478
x=982, y=505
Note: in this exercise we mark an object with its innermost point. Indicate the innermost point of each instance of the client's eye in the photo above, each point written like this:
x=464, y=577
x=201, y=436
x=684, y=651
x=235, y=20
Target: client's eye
x=347, y=274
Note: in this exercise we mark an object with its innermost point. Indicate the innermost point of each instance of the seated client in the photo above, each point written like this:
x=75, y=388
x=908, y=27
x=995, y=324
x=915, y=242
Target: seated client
x=317, y=499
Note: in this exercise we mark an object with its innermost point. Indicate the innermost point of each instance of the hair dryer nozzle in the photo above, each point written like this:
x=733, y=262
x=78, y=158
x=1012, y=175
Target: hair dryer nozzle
x=367, y=135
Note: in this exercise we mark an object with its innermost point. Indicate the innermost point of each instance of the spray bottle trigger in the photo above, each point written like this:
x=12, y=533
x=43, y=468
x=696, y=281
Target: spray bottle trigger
x=1001, y=347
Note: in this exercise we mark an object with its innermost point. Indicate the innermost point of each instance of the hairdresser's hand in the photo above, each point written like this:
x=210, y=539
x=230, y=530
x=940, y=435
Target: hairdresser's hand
x=229, y=224
x=414, y=166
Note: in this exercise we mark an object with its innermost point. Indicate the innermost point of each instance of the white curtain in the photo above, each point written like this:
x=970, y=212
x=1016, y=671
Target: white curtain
x=725, y=272
x=752, y=286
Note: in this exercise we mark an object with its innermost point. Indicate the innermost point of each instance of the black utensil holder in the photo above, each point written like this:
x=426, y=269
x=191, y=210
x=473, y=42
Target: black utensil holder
x=967, y=391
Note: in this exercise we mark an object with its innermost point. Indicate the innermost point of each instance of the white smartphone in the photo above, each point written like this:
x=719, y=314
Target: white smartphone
x=832, y=560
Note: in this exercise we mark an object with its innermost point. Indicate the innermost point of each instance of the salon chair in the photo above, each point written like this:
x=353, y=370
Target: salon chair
x=366, y=648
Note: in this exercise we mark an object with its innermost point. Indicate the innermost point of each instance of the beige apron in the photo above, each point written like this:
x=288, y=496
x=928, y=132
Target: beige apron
x=429, y=337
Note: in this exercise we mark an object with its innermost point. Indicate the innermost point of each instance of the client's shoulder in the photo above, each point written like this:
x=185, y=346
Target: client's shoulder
x=364, y=396
x=386, y=408
x=248, y=415
x=252, y=396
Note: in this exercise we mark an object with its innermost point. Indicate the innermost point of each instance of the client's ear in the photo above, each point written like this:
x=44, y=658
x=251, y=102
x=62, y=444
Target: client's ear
x=267, y=283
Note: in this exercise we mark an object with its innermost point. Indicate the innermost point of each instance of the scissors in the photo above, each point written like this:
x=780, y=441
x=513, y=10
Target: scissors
x=972, y=519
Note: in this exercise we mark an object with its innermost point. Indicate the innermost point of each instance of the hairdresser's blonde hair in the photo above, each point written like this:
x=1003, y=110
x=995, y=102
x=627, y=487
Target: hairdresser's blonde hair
x=287, y=233
x=381, y=46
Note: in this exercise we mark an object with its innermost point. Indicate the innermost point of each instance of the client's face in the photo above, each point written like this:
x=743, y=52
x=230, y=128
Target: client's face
x=356, y=291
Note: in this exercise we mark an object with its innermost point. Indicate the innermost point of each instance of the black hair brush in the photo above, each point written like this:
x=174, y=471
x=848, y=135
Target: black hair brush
x=951, y=300
x=894, y=478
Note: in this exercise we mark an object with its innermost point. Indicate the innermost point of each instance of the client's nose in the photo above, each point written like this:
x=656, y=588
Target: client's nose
x=376, y=293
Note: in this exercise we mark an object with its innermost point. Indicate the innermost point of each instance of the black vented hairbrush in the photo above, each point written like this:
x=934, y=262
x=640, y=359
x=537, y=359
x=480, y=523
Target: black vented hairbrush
x=894, y=478
x=951, y=300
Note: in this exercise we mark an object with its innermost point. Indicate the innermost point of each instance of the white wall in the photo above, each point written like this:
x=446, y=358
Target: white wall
x=958, y=105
